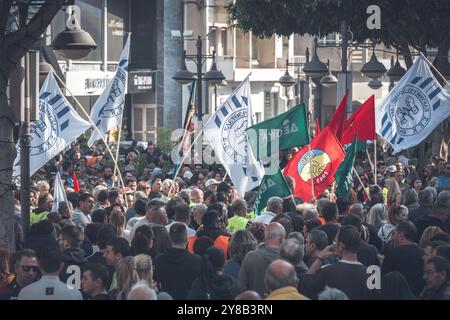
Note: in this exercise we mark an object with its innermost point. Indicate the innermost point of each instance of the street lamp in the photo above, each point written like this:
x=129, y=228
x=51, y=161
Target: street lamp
x=213, y=76
x=287, y=80
x=328, y=80
x=373, y=68
x=73, y=42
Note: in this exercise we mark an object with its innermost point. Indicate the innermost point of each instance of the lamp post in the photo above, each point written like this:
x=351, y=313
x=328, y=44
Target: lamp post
x=287, y=80
x=74, y=43
x=213, y=76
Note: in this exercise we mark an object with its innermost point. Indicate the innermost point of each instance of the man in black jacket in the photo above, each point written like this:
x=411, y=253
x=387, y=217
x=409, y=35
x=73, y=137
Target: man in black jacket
x=437, y=271
x=367, y=253
x=438, y=217
x=406, y=256
x=176, y=269
x=70, y=240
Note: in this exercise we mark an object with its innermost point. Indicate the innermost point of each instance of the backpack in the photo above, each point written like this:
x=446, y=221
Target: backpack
x=386, y=241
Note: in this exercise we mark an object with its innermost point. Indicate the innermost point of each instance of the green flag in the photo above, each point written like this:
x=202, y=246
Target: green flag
x=344, y=172
x=289, y=129
x=271, y=186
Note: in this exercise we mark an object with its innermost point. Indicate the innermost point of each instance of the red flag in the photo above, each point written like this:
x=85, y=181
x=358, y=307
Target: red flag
x=336, y=124
x=327, y=154
x=362, y=122
x=75, y=181
x=317, y=127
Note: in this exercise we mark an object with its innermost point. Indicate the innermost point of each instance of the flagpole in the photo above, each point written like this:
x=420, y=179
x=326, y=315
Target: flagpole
x=91, y=122
x=310, y=164
x=206, y=123
x=368, y=157
x=116, y=167
x=360, y=181
x=375, y=160
x=435, y=69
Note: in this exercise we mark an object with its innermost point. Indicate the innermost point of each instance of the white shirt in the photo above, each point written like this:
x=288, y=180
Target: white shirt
x=265, y=218
x=80, y=219
x=49, y=288
x=190, y=232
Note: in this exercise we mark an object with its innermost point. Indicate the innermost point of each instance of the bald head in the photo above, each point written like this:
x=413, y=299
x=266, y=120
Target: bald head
x=275, y=234
x=197, y=195
x=248, y=295
x=280, y=274
x=141, y=291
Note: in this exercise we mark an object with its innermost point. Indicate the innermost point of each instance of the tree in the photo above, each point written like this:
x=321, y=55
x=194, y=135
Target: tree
x=13, y=46
x=405, y=25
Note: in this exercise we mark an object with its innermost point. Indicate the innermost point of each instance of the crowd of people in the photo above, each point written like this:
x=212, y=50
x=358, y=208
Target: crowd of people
x=193, y=237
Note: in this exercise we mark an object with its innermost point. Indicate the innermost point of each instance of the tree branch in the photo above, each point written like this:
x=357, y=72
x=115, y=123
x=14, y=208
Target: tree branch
x=5, y=7
x=26, y=37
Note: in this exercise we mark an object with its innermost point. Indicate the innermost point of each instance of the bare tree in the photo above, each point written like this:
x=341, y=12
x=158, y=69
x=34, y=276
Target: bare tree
x=13, y=46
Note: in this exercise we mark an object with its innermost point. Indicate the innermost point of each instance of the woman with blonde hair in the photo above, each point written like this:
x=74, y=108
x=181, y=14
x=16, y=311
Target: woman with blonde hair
x=127, y=276
x=394, y=196
x=167, y=190
x=144, y=268
x=428, y=234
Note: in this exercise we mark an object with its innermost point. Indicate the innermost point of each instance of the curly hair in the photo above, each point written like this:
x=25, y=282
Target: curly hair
x=242, y=242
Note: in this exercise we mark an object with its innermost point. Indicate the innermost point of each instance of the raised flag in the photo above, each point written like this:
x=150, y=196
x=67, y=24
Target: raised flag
x=59, y=194
x=362, y=123
x=107, y=111
x=271, y=186
x=336, y=124
x=226, y=132
x=57, y=127
x=76, y=187
x=344, y=174
x=318, y=164
x=289, y=129
x=414, y=107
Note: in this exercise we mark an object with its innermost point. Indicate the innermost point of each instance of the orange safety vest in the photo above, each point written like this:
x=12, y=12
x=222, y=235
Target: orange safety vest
x=220, y=242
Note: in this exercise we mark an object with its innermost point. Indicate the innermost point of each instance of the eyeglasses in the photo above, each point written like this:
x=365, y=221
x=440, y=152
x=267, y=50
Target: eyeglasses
x=28, y=268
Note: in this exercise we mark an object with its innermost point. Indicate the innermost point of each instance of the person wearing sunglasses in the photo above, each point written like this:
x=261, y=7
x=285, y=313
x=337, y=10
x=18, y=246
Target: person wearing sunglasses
x=26, y=269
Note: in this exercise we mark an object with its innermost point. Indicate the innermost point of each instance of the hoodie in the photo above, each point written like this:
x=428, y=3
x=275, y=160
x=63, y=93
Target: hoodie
x=71, y=257
x=223, y=287
x=175, y=270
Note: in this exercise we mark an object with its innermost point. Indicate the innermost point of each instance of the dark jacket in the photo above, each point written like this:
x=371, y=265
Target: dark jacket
x=175, y=271
x=224, y=287
x=443, y=293
x=40, y=242
x=419, y=212
x=408, y=260
x=70, y=257
x=425, y=222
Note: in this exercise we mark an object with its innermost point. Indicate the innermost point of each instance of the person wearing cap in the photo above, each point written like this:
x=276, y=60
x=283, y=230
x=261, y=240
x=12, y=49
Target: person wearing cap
x=211, y=184
x=212, y=228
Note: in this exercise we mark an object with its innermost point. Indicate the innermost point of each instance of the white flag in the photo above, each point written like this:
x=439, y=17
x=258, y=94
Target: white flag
x=57, y=127
x=59, y=194
x=412, y=110
x=226, y=131
x=107, y=111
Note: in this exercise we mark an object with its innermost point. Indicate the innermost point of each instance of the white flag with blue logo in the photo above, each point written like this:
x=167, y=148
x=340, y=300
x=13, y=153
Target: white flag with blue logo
x=226, y=131
x=57, y=127
x=412, y=110
x=107, y=111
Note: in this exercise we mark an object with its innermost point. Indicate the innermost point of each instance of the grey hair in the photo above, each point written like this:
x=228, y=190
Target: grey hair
x=358, y=210
x=275, y=280
x=139, y=195
x=297, y=236
x=275, y=204
x=409, y=196
x=444, y=198
x=332, y=294
x=426, y=196
x=433, y=191
x=142, y=291
x=202, y=208
x=378, y=215
x=292, y=251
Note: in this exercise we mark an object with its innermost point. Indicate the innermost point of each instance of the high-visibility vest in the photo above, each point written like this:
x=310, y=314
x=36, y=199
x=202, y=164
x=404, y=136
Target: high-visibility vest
x=221, y=242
